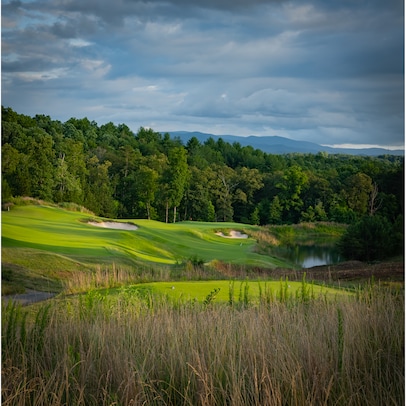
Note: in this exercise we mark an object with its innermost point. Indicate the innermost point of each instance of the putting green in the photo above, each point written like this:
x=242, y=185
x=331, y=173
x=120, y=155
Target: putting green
x=68, y=233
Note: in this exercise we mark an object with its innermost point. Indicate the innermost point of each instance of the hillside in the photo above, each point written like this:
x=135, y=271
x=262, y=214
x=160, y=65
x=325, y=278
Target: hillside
x=282, y=145
x=116, y=173
x=49, y=241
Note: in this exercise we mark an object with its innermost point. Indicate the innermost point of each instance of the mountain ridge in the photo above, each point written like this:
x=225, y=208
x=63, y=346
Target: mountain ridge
x=280, y=145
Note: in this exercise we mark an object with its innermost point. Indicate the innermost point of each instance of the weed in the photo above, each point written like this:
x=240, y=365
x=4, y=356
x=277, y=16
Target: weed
x=231, y=293
x=211, y=296
x=340, y=341
x=120, y=351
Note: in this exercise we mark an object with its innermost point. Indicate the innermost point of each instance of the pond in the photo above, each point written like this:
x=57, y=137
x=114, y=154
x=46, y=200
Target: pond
x=308, y=256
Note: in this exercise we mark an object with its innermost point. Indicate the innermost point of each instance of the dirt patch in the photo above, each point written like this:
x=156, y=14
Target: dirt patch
x=233, y=234
x=113, y=225
x=350, y=271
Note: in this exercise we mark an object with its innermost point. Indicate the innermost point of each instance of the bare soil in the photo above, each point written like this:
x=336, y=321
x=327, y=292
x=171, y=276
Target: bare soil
x=350, y=271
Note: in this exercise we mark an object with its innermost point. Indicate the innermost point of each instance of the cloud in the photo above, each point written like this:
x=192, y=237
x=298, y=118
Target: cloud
x=329, y=72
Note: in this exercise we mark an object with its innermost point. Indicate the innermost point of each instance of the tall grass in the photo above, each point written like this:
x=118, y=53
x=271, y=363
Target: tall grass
x=137, y=349
x=112, y=277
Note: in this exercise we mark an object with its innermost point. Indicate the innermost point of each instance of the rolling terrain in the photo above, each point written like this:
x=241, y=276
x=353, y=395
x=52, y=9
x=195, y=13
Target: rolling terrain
x=48, y=243
x=69, y=234
x=118, y=336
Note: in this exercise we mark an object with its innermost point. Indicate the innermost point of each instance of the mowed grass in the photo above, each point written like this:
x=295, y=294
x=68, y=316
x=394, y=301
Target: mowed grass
x=224, y=290
x=65, y=233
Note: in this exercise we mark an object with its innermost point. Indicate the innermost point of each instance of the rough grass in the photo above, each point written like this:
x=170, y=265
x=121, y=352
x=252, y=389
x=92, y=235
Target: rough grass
x=216, y=342
x=136, y=348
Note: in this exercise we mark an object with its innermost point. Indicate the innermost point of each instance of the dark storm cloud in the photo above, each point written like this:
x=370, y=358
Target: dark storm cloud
x=325, y=71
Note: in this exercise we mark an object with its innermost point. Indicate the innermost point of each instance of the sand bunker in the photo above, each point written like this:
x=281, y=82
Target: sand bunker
x=114, y=225
x=233, y=234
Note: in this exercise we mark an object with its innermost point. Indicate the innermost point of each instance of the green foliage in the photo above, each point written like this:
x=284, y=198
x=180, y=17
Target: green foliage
x=275, y=211
x=255, y=216
x=211, y=296
x=196, y=261
x=371, y=238
x=115, y=172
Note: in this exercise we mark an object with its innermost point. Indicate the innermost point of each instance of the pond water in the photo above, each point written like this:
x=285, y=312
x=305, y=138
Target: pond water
x=308, y=256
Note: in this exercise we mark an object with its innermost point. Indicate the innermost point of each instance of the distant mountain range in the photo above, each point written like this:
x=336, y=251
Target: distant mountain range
x=281, y=145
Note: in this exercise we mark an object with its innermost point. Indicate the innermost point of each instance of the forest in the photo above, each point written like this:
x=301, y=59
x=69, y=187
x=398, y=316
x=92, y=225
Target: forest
x=117, y=173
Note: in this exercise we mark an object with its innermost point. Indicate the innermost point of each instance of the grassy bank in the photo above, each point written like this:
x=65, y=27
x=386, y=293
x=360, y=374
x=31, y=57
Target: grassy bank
x=137, y=347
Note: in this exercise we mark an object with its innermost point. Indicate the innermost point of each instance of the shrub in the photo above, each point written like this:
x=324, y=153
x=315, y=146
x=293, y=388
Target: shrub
x=371, y=238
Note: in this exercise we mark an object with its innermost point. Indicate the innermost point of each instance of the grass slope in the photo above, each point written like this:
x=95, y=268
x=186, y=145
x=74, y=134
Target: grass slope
x=67, y=235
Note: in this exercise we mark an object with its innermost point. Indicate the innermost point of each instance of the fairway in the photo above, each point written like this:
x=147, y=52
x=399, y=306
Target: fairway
x=70, y=235
x=251, y=290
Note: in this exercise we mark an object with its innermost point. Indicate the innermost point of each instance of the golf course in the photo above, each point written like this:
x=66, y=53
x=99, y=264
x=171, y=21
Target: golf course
x=75, y=236
x=55, y=241
x=138, y=312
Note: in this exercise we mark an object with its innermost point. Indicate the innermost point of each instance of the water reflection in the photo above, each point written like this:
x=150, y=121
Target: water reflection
x=308, y=256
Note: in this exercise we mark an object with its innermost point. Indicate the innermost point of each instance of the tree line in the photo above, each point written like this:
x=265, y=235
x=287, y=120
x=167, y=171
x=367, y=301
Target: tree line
x=117, y=173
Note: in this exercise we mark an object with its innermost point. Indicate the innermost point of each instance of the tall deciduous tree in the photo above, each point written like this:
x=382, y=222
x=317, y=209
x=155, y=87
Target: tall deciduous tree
x=249, y=181
x=146, y=184
x=99, y=193
x=275, y=211
x=223, y=183
x=65, y=182
x=357, y=191
x=71, y=172
x=174, y=180
x=291, y=187
x=197, y=204
x=40, y=163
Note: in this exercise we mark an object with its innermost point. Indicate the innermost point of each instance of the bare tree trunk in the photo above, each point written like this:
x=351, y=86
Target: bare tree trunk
x=374, y=205
x=174, y=214
x=167, y=210
x=148, y=211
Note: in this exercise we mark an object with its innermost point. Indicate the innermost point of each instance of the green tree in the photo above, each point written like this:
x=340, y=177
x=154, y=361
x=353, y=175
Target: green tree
x=316, y=213
x=149, y=141
x=275, y=211
x=10, y=159
x=197, y=203
x=255, y=216
x=249, y=181
x=174, y=180
x=71, y=172
x=222, y=185
x=65, y=182
x=99, y=191
x=146, y=184
x=293, y=183
x=82, y=130
x=370, y=238
x=40, y=161
x=357, y=191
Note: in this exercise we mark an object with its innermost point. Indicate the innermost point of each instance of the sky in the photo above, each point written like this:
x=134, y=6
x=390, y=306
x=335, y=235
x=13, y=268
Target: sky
x=325, y=71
